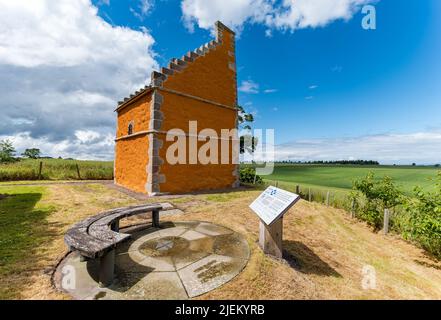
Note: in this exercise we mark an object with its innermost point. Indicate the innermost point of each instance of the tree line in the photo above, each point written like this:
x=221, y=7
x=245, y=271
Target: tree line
x=343, y=162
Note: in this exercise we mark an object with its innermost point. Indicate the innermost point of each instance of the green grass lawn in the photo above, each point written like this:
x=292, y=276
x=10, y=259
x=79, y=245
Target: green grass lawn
x=23, y=223
x=340, y=178
x=56, y=169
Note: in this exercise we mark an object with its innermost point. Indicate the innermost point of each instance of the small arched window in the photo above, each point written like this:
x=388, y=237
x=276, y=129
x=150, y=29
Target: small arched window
x=130, y=129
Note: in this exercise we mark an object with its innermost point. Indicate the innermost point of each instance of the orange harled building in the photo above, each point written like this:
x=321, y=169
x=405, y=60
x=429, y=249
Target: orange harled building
x=201, y=86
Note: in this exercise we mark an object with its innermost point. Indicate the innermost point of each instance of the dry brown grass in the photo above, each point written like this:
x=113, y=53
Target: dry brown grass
x=327, y=250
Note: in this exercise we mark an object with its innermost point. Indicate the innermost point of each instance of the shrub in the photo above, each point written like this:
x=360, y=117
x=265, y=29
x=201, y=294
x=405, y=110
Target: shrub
x=377, y=196
x=247, y=175
x=423, y=221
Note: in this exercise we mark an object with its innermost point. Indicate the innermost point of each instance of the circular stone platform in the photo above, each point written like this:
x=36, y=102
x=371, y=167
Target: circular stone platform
x=180, y=260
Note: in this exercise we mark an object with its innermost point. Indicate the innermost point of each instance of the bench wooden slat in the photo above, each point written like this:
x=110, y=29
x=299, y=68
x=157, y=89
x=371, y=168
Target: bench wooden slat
x=103, y=233
x=88, y=221
x=110, y=218
x=87, y=245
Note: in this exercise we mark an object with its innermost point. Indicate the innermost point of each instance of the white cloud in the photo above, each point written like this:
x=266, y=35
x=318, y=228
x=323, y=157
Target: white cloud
x=287, y=15
x=337, y=69
x=87, y=136
x=313, y=87
x=100, y=146
x=419, y=147
x=62, y=71
x=299, y=14
x=249, y=86
x=143, y=9
x=233, y=13
x=103, y=2
x=270, y=90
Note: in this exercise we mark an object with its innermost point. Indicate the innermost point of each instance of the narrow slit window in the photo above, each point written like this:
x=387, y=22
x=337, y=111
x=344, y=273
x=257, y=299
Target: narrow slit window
x=130, y=129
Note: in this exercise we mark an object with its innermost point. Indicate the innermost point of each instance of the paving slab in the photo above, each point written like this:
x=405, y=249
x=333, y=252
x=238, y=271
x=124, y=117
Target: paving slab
x=187, y=224
x=172, y=232
x=155, y=286
x=193, y=235
x=232, y=245
x=77, y=277
x=212, y=229
x=209, y=273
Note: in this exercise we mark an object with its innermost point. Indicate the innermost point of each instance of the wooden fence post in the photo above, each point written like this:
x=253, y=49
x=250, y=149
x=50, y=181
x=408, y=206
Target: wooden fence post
x=327, y=198
x=298, y=189
x=78, y=171
x=277, y=184
x=40, y=170
x=309, y=194
x=386, y=221
x=255, y=175
x=353, y=208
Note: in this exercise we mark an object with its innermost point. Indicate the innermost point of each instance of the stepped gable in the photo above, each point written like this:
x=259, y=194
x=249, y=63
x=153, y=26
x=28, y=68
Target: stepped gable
x=178, y=65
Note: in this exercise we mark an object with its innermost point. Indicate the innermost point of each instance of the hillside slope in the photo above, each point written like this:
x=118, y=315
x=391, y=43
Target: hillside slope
x=326, y=250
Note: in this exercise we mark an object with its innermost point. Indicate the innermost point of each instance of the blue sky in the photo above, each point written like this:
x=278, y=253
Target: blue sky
x=320, y=80
x=334, y=81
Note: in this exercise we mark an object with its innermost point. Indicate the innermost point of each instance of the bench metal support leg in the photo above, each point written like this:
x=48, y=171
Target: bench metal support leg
x=115, y=226
x=155, y=218
x=107, y=268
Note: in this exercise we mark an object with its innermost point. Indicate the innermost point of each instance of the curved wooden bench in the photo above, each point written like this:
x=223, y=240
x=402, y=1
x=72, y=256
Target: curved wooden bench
x=97, y=236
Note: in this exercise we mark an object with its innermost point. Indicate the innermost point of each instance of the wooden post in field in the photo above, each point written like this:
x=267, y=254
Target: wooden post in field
x=298, y=189
x=40, y=170
x=255, y=175
x=327, y=198
x=309, y=194
x=78, y=171
x=277, y=184
x=386, y=221
x=353, y=208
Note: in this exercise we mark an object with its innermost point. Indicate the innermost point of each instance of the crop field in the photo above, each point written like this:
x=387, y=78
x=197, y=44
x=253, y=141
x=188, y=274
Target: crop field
x=56, y=169
x=340, y=177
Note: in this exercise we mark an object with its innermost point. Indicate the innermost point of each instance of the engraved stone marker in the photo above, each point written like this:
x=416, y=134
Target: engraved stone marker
x=270, y=206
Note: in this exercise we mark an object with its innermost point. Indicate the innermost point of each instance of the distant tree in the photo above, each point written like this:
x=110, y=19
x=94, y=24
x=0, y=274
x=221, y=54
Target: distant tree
x=244, y=122
x=7, y=151
x=32, y=153
x=413, y=164
x=437, y=165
